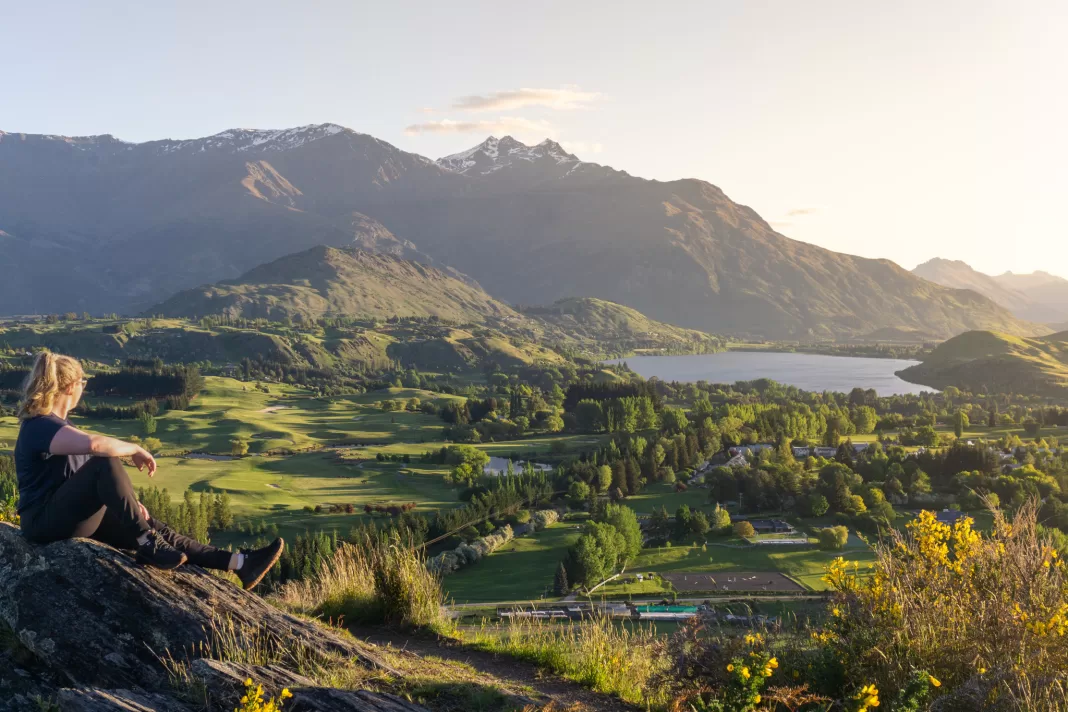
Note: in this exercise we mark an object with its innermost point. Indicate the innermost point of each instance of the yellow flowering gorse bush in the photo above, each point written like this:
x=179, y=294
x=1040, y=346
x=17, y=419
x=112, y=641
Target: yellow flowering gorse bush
x=957, y=603
x=253, y=701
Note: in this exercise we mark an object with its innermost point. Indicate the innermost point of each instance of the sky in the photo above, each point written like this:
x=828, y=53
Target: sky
x=906, y=130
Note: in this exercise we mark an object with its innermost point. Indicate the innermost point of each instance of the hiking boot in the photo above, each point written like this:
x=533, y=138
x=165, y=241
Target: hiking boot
x=156, y=552
x=258, y=562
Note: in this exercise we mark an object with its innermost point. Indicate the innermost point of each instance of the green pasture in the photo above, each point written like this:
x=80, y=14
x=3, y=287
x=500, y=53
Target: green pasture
x=659, y=494
x=521, y=570
x=277, y=489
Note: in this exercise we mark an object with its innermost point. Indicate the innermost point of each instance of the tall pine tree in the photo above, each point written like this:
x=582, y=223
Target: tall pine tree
x=560, y=586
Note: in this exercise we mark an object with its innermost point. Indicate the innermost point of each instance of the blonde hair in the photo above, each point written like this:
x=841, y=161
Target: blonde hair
x=51, y=375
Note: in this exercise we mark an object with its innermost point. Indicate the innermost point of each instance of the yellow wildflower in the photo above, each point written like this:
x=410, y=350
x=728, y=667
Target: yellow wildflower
x=756, y=699
x=934, y=680
x=745, y=673
x=773, y=663
x=730, y=667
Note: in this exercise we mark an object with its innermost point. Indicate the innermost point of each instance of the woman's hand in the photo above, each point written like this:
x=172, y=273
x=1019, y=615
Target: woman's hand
x=141, y=458
x=144, y=512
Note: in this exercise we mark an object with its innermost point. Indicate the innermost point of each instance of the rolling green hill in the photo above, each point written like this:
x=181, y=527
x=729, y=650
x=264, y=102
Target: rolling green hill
x=586, y=322
x=997, y=362
x=327, y=281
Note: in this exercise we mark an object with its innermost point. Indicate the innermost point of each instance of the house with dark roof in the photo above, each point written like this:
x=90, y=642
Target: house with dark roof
x=949, y=516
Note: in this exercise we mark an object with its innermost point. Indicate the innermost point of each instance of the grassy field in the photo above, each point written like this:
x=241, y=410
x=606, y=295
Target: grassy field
x=521, y=570
x=803, y=564
x=659, y=495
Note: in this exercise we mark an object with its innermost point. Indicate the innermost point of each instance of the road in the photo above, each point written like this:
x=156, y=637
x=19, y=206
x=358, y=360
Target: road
x=642, y=601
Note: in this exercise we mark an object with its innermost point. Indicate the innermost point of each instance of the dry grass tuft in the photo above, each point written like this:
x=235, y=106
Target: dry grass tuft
x=371, y=582
x=600, y=654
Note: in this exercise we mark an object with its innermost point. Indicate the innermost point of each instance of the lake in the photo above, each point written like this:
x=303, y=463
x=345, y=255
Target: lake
x=810, y=372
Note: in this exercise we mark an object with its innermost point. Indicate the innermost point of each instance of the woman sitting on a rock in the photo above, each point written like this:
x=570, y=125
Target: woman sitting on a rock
x=72, y=484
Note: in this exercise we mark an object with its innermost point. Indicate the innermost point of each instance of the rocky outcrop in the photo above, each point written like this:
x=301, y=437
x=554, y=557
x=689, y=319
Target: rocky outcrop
x=93, y=628
x=93, y=700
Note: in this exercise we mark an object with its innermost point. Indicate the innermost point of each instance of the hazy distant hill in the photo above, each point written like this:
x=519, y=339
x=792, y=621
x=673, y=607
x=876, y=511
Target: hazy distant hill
x=130, y=224
x=1039, y=297
x=998, y=363
x=325, y=280
x=1047, y=292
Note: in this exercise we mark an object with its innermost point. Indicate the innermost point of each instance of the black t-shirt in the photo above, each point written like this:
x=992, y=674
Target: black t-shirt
x=39, y=471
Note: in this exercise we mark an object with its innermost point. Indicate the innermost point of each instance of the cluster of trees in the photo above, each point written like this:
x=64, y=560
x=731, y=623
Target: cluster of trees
x=413, y=405
x=611, y=540
x=833, y=538
x=149, y=407
x=627, y=463
x=195, y=516
x=393, y=510
x=148, y=379
x=467, y=463
x=764, y=411
x=688, y=525
x=513, y=409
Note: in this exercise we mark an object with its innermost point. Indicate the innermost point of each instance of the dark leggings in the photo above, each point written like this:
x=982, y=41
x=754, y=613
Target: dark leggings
x=98, y=501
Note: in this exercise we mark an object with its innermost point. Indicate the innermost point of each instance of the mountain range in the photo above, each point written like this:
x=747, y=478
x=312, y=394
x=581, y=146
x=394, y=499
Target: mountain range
x=99, y=224
x=1039, y=296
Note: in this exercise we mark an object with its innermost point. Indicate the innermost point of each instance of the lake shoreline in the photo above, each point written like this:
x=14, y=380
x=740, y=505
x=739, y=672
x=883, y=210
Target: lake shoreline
x=809, y=372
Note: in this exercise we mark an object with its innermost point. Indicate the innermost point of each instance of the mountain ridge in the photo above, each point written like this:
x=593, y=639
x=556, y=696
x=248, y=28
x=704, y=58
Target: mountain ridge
x=138, y=223
x=1038, y=296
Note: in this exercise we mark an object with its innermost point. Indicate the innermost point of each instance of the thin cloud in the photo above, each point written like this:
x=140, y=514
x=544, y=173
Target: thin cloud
x=560, y=99
x=500, y=125
x=801, y=211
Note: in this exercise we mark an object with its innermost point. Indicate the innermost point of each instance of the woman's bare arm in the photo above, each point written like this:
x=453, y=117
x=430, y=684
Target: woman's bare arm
x=71, y=441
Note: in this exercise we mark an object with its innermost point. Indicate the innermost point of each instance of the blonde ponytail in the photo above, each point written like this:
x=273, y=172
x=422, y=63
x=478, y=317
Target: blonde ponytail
x=51, y=375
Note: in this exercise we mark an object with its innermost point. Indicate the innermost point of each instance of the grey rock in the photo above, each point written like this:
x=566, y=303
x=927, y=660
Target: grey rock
x=95, y=617
x=226, y=683
x=95, y=700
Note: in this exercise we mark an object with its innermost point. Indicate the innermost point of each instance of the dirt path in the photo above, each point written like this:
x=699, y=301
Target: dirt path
x=516, y=677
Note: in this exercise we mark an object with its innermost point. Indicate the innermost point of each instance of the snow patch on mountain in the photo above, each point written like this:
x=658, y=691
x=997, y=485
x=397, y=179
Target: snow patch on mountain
x=253, y=139
x=494, y=153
